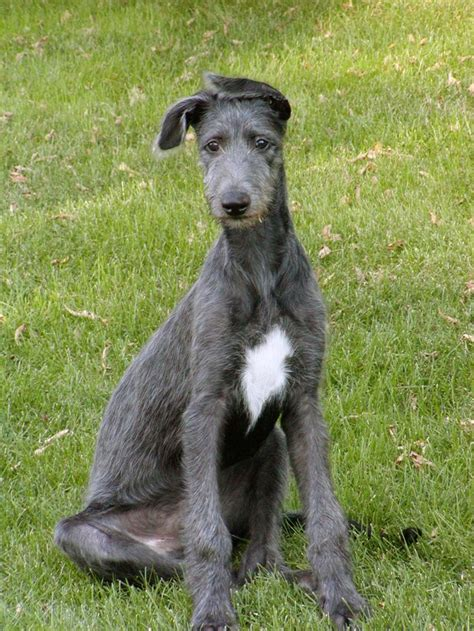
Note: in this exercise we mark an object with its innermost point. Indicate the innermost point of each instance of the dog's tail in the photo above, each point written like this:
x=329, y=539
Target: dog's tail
x=406, y=537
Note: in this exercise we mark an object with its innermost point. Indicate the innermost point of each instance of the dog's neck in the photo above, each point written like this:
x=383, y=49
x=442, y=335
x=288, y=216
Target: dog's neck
x=262, y=247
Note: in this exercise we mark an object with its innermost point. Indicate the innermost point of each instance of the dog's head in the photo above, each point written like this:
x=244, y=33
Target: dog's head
x=239, y=125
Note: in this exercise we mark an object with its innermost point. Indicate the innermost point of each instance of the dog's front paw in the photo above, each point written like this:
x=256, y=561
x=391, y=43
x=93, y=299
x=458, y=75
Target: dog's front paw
x=342, y=603
x=217, y=626
x=215, y=619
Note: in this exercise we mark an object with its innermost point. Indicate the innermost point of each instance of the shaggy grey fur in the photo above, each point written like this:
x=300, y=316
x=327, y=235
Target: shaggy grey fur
x=177, y=470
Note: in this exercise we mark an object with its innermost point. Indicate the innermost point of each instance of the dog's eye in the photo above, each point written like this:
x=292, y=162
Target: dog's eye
x=261, y=143
x=212, y=146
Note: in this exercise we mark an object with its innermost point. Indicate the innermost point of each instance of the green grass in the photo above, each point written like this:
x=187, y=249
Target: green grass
x=87, y=101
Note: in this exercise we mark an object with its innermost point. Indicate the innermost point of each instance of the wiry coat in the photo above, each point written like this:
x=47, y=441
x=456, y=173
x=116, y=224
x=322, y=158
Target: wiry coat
x=183, y=460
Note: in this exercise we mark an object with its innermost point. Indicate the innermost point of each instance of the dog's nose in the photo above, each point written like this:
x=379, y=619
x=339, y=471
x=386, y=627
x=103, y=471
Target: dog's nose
x=235, y=203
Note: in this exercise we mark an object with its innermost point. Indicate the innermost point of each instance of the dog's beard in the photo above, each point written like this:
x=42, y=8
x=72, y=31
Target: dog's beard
x=252, y=217
x=240, y=223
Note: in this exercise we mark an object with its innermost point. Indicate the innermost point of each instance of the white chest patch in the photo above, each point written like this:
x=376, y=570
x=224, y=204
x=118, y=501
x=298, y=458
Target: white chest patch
x=265, y=372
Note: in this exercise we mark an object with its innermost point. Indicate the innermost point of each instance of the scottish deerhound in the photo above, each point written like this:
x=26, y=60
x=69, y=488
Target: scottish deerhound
x=189, y=453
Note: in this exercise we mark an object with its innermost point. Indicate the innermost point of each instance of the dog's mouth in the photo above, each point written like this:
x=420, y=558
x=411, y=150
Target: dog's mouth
x=248, y=217
x=245, y=220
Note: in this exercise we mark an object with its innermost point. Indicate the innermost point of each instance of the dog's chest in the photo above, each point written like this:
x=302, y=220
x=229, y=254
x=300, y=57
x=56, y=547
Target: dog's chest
x=265, y=371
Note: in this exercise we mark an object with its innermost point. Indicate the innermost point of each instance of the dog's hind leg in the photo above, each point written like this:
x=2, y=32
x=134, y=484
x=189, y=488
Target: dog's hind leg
x=252, y=493
x=122, y=544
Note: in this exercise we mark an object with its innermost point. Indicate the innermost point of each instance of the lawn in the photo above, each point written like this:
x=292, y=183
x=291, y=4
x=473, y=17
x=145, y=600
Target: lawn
x=377, y=149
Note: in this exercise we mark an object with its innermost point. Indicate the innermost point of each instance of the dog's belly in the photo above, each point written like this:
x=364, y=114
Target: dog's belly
x=265, y=372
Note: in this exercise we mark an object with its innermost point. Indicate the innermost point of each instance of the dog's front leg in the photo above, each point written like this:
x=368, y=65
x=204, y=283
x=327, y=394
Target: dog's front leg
x=207, y=539
x=326, y=525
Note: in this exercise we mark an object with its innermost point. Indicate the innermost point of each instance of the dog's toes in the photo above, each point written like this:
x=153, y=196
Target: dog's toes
x=344, y=606
x=216, y=626
x=342, y=623
x=216, y=621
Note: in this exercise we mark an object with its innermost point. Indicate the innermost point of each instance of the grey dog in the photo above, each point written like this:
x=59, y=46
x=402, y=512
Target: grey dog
x=189, y=453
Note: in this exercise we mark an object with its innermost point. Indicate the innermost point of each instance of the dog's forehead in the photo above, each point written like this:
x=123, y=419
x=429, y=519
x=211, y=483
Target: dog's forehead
x=239, y=115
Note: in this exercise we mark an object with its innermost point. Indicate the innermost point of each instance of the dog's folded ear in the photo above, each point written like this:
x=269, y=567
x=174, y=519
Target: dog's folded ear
x=248, y=89
x=176, y=121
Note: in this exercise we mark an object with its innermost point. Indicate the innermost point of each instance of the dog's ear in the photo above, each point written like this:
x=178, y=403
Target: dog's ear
x=248, y=89
x=176, y=121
